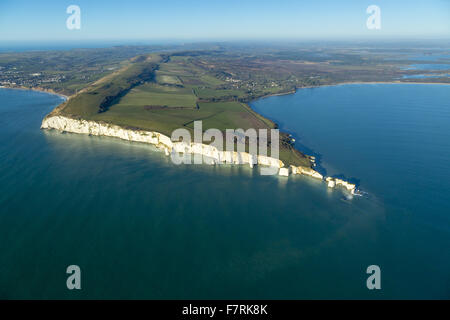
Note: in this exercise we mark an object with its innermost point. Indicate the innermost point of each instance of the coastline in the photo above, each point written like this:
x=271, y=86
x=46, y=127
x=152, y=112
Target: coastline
x=344, y=83
x=164, y=143
x=38, y=89
x=375, y=82
x=65, y=124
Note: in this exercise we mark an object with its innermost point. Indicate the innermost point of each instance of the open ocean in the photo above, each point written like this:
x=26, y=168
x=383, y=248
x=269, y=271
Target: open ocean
x=141, y=227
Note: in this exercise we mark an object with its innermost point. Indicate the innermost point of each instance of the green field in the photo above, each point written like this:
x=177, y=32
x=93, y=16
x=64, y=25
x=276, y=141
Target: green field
x=153, y=94
x=164, y=78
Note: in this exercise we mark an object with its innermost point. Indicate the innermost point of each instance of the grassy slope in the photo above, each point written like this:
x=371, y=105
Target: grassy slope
x=175, y=95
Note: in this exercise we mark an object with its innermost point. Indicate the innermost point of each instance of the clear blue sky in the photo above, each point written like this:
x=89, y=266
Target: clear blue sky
x=222, y=19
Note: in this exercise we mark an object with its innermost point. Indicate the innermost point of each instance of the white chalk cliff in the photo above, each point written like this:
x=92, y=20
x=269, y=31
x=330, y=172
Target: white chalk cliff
x=333, y=182
x=160, y=140
x=212, y=154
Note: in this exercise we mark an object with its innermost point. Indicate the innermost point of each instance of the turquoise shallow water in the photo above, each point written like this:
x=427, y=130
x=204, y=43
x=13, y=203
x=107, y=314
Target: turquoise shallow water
x=142, y=227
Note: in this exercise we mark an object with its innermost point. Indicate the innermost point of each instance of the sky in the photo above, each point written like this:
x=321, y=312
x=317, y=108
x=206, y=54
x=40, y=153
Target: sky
x=185, y=20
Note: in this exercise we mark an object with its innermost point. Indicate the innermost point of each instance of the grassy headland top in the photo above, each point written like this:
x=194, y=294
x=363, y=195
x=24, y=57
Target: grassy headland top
x=161, y=92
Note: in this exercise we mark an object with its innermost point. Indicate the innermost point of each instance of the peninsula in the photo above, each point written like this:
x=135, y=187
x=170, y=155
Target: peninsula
x=155, y=94
x=146, y=96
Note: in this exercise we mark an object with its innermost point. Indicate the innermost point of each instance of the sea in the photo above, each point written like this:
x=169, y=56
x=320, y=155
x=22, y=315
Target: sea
x=140, y=227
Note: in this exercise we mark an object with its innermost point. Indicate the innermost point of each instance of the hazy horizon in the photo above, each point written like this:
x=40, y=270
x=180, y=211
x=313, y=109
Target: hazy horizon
x=35, y=45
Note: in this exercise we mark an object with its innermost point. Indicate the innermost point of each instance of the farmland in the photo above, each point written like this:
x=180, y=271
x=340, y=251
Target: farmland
x=161, y=93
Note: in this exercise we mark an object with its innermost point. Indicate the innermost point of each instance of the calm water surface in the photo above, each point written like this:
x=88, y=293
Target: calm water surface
x=142, y=227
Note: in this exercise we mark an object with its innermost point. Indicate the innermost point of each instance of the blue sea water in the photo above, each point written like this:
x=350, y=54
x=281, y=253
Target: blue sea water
x=394, y=140
x=425, y=66
x=422, y=76
x=429, y=62
x=141, y=227
x=430, y=57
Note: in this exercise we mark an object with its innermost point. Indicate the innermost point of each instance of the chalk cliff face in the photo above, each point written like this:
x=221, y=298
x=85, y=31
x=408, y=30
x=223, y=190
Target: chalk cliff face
x=212, y=154
x=160, y=140
x=284, y=172
x=102, y=129
x=333, y=182
x=306, y=171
